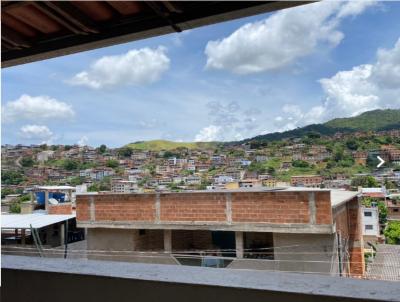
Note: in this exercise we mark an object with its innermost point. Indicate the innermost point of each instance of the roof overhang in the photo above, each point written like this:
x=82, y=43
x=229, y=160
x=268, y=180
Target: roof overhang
x=38, y=30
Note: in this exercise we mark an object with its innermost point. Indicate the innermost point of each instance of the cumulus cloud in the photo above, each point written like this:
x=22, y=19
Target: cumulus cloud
x=279, y=40
x=35, y=132
x=136, y=67
x=83, y=141
x=42, y=108
x=228, y=121
x=208, y=134
x=351, y=92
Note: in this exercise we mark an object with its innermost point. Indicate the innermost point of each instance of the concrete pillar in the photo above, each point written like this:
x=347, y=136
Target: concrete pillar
x=46, y=200
x=23, y=237
x=62, y=234
x=239, y=244
x=168, y=241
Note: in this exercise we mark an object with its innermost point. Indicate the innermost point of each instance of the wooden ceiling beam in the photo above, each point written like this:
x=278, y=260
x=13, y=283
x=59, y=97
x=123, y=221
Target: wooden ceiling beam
x=173, y=7
x=44, y=8
x=13, y=37
x=74, y=15
x=154, y=6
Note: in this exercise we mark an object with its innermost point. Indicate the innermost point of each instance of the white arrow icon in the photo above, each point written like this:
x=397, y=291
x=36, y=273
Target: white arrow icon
x=381, y=162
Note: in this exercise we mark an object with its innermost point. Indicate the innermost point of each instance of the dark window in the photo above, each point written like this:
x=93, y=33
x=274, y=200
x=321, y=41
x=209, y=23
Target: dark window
x=395, y=210
x=368, y=214
x=142, y=232
x=369, y=227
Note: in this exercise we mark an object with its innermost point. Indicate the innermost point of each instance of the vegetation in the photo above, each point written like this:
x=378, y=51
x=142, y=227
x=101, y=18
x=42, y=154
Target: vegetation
x=371, y=120
x=102, y=149
x=159, y=145
x=70, y=164
x=112, y=163
x=15, y=207
x=392, y=232
x=125, y=152
x=11, y=177
x=27, y=162
x=364, y=181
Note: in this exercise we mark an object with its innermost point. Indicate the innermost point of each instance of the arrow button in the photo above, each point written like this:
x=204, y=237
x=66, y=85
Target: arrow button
x=381, y=162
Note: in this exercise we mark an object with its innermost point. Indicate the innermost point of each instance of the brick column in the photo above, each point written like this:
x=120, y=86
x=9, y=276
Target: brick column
x=356, y=250
x=239, y=244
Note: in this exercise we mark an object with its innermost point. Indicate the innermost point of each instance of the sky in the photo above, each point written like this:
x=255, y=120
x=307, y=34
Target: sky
x=223, y=82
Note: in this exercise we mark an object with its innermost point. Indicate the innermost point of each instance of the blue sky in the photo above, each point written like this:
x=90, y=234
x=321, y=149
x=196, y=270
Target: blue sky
x=228, y=81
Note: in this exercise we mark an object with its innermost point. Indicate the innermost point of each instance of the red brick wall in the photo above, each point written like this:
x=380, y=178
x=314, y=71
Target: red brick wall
x=323, y=207
x=270, y=207
x=348, y=223
x=252, y=207
x=193, y=207
x=82, y=208
x=122, y=207
x=60, y=209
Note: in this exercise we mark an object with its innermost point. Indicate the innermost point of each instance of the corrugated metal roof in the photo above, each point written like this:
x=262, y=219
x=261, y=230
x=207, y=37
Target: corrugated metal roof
x=24, y=221
x=386, y=265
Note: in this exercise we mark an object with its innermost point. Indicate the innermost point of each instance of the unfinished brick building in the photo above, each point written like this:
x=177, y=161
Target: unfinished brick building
x=307, y=230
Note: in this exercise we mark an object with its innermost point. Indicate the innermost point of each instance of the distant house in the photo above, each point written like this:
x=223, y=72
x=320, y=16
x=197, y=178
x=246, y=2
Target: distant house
x=313, y=181
x=370, y=221
x=124, y=186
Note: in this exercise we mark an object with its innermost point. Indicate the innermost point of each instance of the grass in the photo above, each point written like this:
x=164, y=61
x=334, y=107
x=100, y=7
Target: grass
x=158, y=145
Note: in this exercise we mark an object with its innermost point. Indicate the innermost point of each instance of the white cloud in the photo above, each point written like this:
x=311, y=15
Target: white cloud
x=83, y=141
x=229, y=122
x=208, y=134
x=36, y=108
x=351, y=92
x=136, y=67
x=35, y=132
x=282, y=38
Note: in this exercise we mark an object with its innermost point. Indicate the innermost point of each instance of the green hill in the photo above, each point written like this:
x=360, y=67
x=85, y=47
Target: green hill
x=376, y=120
x=370, y=120
x=158, y=145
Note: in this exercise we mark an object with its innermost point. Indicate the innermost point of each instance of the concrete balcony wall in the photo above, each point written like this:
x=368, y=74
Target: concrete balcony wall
x=48, y=280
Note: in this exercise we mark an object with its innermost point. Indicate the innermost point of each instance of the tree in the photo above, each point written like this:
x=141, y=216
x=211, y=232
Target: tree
x=11, y=177
x=112, y=163
x=382, y=212
x=15, y=207
x=102, y=149
x=364, y=181
x=352, y=144
x=70, y=164
x=27, y=162
x=6, y=191
x=75, y=181
x=300, y=164
x=392, y=232
x=125, y=152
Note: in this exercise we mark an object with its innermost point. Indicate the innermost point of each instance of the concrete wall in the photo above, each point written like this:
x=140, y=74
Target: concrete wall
x=76, y=280
x=126, y=245
x=304, y=252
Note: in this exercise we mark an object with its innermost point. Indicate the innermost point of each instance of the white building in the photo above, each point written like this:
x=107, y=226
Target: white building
x=45, y=155
x=124, y=186
x=370, y=221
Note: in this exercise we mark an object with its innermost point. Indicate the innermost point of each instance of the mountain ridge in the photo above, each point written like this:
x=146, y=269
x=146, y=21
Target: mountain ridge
x=374, y=120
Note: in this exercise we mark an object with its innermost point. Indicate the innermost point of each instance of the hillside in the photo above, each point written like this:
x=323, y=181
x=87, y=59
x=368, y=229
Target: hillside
x=370, y=120
x=376, y=120
x=158, y=145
